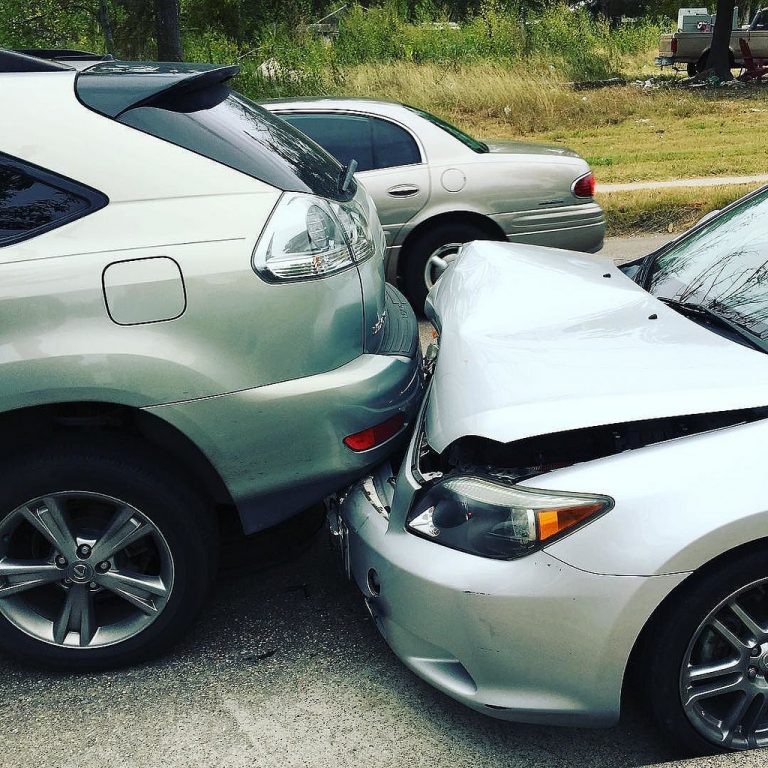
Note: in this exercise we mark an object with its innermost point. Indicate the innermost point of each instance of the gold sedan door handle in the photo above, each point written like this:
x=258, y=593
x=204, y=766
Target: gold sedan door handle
x=403, y=190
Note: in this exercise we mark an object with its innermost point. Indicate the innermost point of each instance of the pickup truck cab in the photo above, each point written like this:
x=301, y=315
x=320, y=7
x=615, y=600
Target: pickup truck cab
x=690, y=45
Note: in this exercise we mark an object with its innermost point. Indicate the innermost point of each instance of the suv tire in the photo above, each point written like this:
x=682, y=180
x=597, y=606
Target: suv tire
x=128, y=517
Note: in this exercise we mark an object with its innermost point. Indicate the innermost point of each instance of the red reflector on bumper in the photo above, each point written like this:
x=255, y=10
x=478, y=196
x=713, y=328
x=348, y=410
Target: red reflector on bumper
x=373, y=436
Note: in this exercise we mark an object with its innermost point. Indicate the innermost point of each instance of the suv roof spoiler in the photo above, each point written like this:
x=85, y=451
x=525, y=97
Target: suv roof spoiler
x=64, y=54
x=115, y=87
x=15, y=61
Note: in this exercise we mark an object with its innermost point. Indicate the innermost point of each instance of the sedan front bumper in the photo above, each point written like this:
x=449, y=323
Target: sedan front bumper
x=531, y=640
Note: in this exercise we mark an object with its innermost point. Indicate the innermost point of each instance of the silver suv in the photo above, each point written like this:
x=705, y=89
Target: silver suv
x=194, y=316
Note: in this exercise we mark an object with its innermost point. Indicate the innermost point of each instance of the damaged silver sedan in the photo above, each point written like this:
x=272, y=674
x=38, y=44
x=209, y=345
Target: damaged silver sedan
x=583, y=508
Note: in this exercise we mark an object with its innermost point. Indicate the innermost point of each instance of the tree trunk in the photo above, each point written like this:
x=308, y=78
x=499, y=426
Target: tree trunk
x=719, y=52
x=106, y=27
x=168, y=30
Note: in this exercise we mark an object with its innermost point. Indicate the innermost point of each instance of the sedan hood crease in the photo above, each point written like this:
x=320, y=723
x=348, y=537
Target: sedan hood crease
x=537, y=340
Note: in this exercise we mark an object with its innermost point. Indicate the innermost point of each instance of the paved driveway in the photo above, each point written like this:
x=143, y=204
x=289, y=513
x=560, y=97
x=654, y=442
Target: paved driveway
x=284, y=669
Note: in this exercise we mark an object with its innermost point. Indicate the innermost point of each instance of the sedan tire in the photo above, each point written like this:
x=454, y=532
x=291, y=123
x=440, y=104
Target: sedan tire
x=106, y=557
x=707, y=681
x=443, y=240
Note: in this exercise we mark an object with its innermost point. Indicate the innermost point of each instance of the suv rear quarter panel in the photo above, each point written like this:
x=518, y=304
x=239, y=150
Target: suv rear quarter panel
x=58, y=341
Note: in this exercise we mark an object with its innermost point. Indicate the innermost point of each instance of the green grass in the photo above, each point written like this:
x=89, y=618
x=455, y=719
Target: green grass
x=665, y=210
x=498, y=78
x=717, y=137
x=627, y=133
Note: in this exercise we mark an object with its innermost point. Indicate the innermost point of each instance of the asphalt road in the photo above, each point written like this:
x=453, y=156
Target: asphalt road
x=286, y=669
x=709, y=181
x=622, y=249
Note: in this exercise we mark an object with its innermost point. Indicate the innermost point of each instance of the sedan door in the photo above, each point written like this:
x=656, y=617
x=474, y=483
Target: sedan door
x=389, y=161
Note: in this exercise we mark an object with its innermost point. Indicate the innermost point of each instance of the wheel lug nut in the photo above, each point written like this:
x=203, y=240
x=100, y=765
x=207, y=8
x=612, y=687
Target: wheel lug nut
x=61, y=561
x=103, y=566
x=83, y=550
x=67, y=581
x=93, y=585
x=752, y=673
x=756, y=650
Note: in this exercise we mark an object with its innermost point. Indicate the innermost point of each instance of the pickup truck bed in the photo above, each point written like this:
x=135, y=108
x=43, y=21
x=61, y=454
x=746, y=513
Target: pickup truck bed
x=691, y=48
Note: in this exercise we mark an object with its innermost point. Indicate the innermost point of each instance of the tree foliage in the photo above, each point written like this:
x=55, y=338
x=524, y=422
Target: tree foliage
x=139, y=29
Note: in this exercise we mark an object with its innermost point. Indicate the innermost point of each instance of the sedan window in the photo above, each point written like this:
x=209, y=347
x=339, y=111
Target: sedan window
x=346, y=137
x=393, y=145
x=476, y=146
x=722, y=267
x=373, y=142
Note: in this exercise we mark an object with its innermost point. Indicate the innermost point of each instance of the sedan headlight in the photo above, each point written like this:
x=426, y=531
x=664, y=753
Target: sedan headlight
x=309, y=237
x=490, y=518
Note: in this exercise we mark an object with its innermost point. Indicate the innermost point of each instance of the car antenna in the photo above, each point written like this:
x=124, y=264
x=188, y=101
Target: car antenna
x=348, y=172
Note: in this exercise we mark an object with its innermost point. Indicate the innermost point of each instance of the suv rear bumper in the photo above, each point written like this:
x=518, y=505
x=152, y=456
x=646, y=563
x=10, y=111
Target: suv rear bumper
x=279, y=448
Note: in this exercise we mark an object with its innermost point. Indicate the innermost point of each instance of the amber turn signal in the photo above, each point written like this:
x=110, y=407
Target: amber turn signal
x=554, y=521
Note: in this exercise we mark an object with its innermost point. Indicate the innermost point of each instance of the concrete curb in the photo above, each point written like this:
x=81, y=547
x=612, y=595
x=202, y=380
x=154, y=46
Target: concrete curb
x=712, y=181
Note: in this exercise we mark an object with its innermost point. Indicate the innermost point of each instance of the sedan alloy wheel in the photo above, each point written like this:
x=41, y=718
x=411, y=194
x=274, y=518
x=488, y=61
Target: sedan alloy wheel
x=724, y=675
x=439, y=261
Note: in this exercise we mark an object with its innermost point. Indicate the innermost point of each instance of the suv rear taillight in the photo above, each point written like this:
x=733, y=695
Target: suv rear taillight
x=309, y=237
x=674, y=45
x=584, y=186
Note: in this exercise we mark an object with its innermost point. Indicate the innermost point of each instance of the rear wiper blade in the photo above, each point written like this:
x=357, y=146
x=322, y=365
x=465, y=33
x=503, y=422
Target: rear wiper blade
x=345, y=177
x=692, y=309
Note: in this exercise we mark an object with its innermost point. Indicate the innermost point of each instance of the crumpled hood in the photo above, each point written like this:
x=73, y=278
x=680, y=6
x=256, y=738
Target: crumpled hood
x=507, y=147
x=539, y=340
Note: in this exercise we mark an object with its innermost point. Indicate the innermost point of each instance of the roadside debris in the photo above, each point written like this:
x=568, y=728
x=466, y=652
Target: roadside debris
x=271, y=69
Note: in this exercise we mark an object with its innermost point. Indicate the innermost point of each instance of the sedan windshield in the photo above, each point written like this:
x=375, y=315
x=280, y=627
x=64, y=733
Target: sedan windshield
x=722, y=267
x=475, y=145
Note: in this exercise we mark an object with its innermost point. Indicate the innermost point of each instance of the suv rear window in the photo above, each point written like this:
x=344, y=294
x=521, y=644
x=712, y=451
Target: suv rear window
x=33, y=200
x=234, y=131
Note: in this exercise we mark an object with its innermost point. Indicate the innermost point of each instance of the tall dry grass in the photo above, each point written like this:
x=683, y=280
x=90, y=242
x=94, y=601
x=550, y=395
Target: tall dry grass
x=523, y=100
x=527, y=101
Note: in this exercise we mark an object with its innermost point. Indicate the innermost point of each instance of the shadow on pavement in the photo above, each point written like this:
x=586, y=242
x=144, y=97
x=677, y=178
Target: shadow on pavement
x=284, y=668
